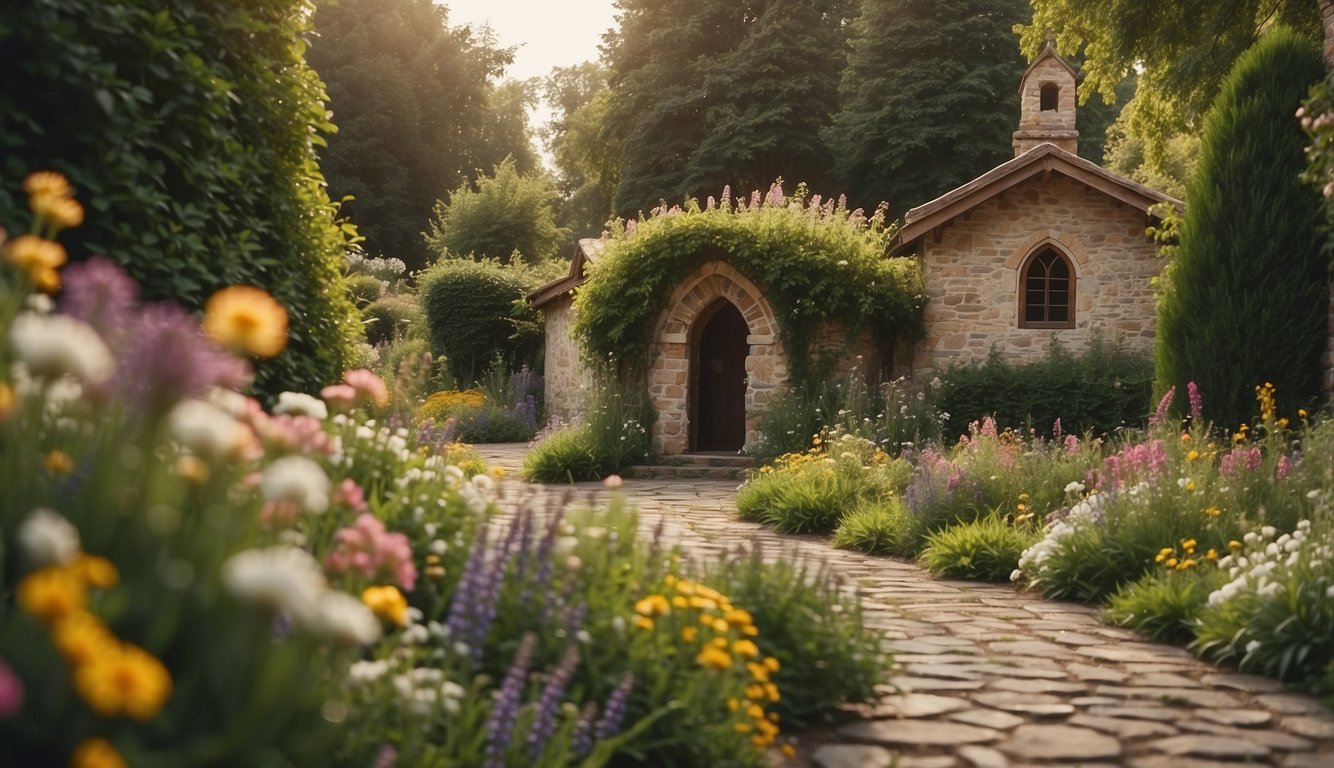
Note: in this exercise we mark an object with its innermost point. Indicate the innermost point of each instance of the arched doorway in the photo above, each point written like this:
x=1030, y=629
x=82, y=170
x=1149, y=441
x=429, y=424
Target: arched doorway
x=718, y=379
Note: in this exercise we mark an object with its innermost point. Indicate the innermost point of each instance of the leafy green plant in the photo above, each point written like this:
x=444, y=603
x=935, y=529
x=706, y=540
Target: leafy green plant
x=608, y=438
x=364, y=289
x=392, y=316
x=815, y=262
x=882, y=527
x=507, y=216
x=986, y=549
x=811, y=491
x=476, y=314
x=192, y=131
x=1165, y=605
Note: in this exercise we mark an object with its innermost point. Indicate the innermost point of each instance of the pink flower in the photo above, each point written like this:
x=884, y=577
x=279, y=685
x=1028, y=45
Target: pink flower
x=11, y=691
x=368, y=386
x=349, y=494
x=1071, y=444
x=1196, y=402
x=339, y=397
x=1160, y=415
x=366, y=548
x=1284, y=466
x=1056, y=429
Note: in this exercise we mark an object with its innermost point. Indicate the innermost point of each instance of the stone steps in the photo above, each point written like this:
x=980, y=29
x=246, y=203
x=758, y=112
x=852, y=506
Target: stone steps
x=695, y=466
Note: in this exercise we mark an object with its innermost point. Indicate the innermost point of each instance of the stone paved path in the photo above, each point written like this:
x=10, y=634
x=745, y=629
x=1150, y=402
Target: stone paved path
x=988, y=677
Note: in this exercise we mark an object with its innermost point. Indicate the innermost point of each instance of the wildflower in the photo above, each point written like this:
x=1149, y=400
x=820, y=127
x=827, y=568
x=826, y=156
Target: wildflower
x=50, y=594
x=208, y=431
x=612, y=482
x=96, y=753
x=52, y=199
x=1213, y=511
x=366, y=547
x=1234, y=545
x=283, y=579
x=124, y=679
x=301, y=404
x=298, y=480
x=340, y=397
x=52, y=346
x=58, y=462
x=688, y=634
x=81, y=637
x=37, y=258
x=788, y=750
x=653, y=605
x=47, y=184
x=11, y=691
x=745, y=648
x=246, y=319
x=93, y=571
x=387, y=603
x=714, y=658
x=345, y=619
x=8, y=401
x=1192, y=455
x=368, y=386
x=46, y=538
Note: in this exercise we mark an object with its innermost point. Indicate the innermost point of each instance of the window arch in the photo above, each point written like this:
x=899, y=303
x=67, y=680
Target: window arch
x=1047, y=290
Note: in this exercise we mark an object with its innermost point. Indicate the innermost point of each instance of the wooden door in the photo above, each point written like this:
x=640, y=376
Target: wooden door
x=719, y=392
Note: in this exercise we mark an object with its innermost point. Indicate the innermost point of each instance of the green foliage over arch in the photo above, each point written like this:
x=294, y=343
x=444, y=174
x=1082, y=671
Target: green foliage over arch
x=815, y=262
x=1249, y=275
x=189, y=130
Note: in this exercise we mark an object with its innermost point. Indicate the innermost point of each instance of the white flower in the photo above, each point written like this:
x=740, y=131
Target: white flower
x=612, y=482
x=52, y=346
x=300, y=404
x=48, y=539
x=1329, y=591
x=296, y=479
x=345, y=619
x=283, y=579
x=367, y=672
x=1074, y=487
x=1252, y=646
x=1268, y=531
x=208, y=431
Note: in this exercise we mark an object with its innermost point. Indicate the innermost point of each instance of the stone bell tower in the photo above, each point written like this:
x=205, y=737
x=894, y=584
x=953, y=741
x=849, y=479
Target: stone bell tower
x=1047, y=103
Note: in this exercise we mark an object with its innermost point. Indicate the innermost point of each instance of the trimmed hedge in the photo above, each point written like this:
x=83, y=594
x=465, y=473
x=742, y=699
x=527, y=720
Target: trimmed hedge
x=189, y=132
x=476, y=313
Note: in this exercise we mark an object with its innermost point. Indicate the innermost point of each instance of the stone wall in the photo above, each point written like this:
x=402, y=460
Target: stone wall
x=564, y=371
x=972, y=270
x=1055, y=126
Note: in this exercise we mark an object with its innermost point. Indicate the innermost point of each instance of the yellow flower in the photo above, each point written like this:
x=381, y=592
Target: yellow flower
x=1186, y=564
x=49, y=183
x=246, y=319
x=1213, y=511
x=58, y=462
x=771, y=663
x=93, y=571
x=745, y=648
x=688, y=634
x=124, y=679
x=719, y=625
x=680, y=602
x=733, y=705
x=739, y=617
x=653, y=605
x=703, y=603
x=193, y=469
x=719, y=642
x=1172, y=562
x=643, y=622
x=1234, y=545
x=51, y=594
x=741, y=727
x=62, y=213
x=387, y=603
x=714, y=658
x=788, y=750
x=759, y=672
x=35, y=255
x=8, y=401
x=1192, y=455
x=755, y=691
x=1188, y=544
x=771, y=692
x=1301, y=413
x=1211, y=555
x=82, y=637
x=96, y=753
x=1190, y=485
x=755, y=712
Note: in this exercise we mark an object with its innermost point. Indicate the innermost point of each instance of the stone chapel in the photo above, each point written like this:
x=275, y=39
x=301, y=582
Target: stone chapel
x=1045, y=246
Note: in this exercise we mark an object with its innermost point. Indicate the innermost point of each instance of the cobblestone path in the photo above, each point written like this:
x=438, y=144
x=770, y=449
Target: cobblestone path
x=989, y=677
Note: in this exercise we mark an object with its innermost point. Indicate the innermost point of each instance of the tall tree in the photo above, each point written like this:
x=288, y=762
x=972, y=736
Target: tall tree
x=1254, y=282
x=929, y=97
x=417, y=111
x=766, y=116
x=587, y=162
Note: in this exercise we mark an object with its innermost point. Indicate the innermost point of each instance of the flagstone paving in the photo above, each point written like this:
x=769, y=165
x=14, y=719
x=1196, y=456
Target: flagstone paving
x=990, y=677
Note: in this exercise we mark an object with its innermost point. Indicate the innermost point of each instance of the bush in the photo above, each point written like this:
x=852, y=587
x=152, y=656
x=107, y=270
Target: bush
x=1165, y=605
x=1100, y=391
x=812, y=627
x=191, y=131
x=987, y=549
x=476, y=313
x=508, y=217
x=881, y=527
x=364, y=289
x=391, y=317
x=609, y=438
x=1258, y=281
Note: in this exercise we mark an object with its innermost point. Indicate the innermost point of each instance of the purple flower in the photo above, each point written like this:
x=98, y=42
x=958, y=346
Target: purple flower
x=775, y=194
x=612, y=715
x=544, y=722
x=11, y=691
x=581, y=741
x=500, y=727
x=166, y=358
x=99, y=293
x=1160, y=415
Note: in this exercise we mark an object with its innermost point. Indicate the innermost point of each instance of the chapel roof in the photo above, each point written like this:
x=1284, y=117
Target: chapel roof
x=1042, y=160
x=587, y=252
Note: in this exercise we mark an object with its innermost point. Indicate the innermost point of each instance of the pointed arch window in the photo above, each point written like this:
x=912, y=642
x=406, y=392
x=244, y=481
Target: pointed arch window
x=1047, y=290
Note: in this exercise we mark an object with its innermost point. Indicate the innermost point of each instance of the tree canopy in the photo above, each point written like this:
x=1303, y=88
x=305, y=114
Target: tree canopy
x=418, y=112
x=504, y=216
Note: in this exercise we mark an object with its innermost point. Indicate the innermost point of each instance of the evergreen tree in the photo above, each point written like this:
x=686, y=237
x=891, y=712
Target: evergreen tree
x=929, y=98
x=1245, y=300
x=417, y=113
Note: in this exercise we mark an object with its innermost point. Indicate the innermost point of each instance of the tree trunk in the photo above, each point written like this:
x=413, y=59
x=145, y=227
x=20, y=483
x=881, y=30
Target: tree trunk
x=1327, y=19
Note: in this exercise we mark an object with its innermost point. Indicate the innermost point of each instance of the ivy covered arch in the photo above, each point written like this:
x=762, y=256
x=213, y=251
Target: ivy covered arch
x=817, y=264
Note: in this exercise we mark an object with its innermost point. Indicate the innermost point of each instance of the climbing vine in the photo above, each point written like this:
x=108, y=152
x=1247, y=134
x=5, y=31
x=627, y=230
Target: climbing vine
x=815, y=261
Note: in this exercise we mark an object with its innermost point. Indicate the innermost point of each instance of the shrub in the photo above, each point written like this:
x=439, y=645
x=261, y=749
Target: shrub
x=1100, y=391
x=476, y=313
x=509, y=216
x=1249, y=282
x=814, y=629
x=1164, y=605
x=449, y=402
x=192, y=130
x=391, y=317
x=364, y=289
x=608, y=438
x=986, y=549
x=564, y=456
x=881, y=527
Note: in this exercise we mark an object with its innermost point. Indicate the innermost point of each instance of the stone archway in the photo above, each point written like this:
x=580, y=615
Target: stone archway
x=670, y=371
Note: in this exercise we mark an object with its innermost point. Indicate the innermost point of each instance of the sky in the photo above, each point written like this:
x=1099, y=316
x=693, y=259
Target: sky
x=549, y=33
